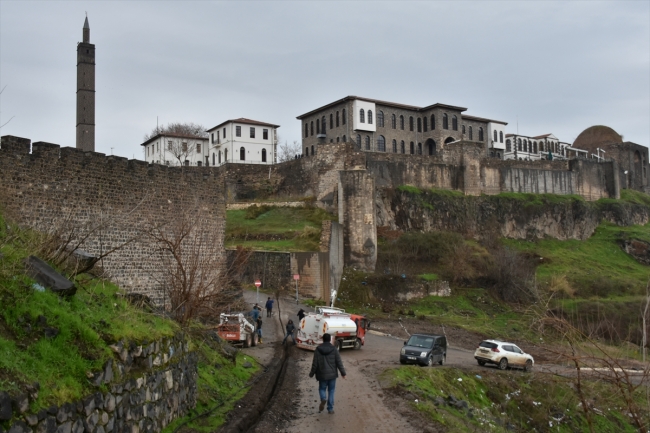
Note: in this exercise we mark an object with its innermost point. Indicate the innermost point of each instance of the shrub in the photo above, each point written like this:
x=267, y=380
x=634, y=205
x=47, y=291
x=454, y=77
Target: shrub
x=255, y=211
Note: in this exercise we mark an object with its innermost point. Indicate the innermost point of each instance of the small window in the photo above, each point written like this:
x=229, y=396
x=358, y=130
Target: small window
x=508, y=146
x=401, y=122
x=380, y=119
x=184, y=147
x=445, y=121
x=393, y=121
x=433, y=122
x=307, y=151
x=496, y=137
x=381, y=144
x=242, y=154
x=337, y=119
x=367, y=142
x=169, y=145
x=252, y=132
x=198, y=147
x=358, y=141
x=344, y=139
x=500, y=136
x=419, y=124
x=312, y=150
x=317, y=126
x=412, y=148
x=265, y=134
x=331, y=120
x=402, y=147
x=237, y=131
x=394, y=146
x=362, y=116
x=198, y=163
x=312, y=128
x=419, y=148
x=519, y=144
x=424, y=124
x=306, y=130
x=480, y=135
x=343, y=117
x=369, y=117
x=454, y=123
x=263, y=155
x=225, y=155
x=224, y=133
x=212, y=139
x=323, y=126
x=463, y=129
x=534, y=147
x=213, y=158
x=411, y=126
x=337, y=139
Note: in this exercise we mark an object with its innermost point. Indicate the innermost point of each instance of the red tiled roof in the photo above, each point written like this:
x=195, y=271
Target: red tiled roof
x=245, y=121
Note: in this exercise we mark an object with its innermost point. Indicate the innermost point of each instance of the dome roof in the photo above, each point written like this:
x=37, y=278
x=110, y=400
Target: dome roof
x=596, y=136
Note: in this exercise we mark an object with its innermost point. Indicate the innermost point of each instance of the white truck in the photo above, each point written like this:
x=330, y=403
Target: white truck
x=347, y=330
x=237, y=329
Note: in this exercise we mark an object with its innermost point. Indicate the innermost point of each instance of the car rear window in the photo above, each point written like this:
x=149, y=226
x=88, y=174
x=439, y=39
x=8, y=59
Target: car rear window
x=487, y=345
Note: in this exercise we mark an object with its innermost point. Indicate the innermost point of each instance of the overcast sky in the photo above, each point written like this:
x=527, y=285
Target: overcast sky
x=542, y=66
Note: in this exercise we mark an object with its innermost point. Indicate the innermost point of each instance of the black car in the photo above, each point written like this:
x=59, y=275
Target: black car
x=424, y=349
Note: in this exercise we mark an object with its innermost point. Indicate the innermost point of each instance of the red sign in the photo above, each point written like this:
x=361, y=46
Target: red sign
x=296, y=276
x=258, y=283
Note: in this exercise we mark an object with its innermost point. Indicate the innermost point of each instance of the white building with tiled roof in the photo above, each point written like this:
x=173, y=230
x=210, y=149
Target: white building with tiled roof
x=243, y=141
x=176, y=149
x=546, y=146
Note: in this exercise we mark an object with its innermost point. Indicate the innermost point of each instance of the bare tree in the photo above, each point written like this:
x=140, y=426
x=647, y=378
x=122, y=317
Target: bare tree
x=179, y=148
x=187, y=129
x=287, y=152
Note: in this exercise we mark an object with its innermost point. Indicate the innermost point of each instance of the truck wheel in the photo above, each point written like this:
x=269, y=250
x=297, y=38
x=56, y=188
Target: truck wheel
x=248, y=341
x=254, y=342
x=357, y=344
x=339, y=345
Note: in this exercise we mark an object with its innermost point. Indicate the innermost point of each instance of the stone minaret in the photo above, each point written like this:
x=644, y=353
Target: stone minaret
x=86, y=92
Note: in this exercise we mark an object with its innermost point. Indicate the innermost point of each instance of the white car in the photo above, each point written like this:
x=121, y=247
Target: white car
x=503, y=355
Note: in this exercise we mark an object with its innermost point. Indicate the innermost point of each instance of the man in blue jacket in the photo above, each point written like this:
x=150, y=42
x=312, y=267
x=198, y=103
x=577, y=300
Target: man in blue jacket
x=326, y=366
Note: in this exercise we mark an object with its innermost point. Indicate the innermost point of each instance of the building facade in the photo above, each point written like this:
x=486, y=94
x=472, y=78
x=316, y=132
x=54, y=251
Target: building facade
x=381, y=126
x=541, y=147
x=177, y=149
x=243, y=141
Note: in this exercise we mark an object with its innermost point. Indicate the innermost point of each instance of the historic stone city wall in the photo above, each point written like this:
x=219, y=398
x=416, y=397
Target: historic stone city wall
x=108, y=202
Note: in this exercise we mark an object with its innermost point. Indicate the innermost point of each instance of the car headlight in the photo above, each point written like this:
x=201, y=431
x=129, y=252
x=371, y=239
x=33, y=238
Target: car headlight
x=423, y=354
x=403, y=351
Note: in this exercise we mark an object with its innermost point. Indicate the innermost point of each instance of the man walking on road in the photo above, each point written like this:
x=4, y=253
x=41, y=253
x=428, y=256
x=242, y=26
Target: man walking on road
x=269, y=307
x=326, y=365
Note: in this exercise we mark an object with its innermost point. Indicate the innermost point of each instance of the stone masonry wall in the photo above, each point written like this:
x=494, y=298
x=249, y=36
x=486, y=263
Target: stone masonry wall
x=109, y=202
x=143, y=389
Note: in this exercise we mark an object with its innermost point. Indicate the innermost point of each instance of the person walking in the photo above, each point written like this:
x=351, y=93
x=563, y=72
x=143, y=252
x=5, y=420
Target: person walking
x=301, y=315
x=258, y=326
x=290, y=328
x=326, y=366
x=255, y=313
x=269, y=307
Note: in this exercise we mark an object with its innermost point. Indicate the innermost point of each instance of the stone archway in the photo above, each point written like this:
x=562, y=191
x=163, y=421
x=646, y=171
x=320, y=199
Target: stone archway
x=449, y=140
x=430, y=145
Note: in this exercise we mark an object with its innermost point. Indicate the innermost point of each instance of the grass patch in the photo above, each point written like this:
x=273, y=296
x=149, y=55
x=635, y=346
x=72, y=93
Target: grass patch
x=506, y=402
x=428, y=277
x=275, y=228
x=410, y=189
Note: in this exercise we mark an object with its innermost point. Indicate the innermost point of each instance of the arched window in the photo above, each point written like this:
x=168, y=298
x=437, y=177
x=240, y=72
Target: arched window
x=449, y=140
x=412, y=148
x=369, y=117
x=381, y=144
x=331, y=120
x=433, y=122
x=394, y=146
x=337, y=139
x=337, y=119
x=425, y=126
x=323, y=126
x=225, y=155
x=306, y=130
x=213, y=158
x=401, y=122
x=462, y=129
x=367, y=142
x=380, y=119
x=454, y=123
x=471, y=133
x=242, y=154
x=362, y=116
x=480, y=134
x=534, y=146
x=431, y=146
x=495, y=137
x=419, y=124
x=263, y=155
x=317, y=126
x=419, y=148
x=312, y=127
x=358, y=141
x=312, y=150
x=508, y=146
x=519, y=144
x=393, y=121
x=402, y=147
x=343, y=117
x=344, y=139
x=445, y=121
x=411, y=123
x=500, y=136
x=307, y=151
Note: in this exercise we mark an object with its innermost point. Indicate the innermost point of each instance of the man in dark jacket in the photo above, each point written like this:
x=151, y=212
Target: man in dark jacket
x=326, y=365
x=290, y=329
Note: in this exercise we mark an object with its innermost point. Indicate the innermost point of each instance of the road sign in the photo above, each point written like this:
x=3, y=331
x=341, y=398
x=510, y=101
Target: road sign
x=296, y=276
x=258, y=283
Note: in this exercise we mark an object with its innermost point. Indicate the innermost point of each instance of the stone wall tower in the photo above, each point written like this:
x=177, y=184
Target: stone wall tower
x=86, y=92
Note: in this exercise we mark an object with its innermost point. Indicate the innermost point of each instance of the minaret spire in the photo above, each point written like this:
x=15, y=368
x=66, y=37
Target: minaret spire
x=86, y=31
x=86, y=92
